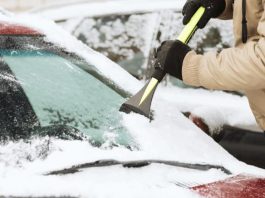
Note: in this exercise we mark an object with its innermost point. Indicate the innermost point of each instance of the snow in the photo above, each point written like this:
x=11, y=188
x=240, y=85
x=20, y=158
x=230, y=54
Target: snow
x=216, y=107
x=110, y=183
x=169, y=137
x=116, y=33
x=5, y=12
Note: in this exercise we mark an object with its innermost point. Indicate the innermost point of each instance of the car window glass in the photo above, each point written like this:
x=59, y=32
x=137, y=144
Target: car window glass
x=125, y=39
x=128, y=39
x=63, y=94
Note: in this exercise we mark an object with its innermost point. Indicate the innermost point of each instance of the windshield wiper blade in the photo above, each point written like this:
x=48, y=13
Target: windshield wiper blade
x=137, y=164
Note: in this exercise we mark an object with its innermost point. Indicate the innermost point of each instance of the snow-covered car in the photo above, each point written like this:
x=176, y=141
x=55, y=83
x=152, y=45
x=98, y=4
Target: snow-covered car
x=63, y=135
x=127, y=31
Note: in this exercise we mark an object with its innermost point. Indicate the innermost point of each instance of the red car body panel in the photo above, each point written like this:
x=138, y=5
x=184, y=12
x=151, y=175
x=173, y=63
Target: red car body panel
x=240, y=186
x=15, y=29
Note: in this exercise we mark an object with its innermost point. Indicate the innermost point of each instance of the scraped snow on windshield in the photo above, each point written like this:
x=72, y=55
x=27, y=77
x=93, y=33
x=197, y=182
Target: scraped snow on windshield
x=170, y=136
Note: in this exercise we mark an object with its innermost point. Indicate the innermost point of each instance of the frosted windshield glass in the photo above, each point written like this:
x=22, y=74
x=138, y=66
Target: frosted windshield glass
x=62, y=93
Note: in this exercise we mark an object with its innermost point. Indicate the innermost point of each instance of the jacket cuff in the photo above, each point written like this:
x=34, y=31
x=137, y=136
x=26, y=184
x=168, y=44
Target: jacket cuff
x=228, y=12
x=190, y=69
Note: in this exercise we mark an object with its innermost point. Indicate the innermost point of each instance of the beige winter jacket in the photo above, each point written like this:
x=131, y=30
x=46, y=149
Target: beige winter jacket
x=239, y=68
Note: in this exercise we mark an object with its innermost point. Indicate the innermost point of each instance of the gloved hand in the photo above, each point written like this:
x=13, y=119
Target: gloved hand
x=169, y=58
x=214, y=8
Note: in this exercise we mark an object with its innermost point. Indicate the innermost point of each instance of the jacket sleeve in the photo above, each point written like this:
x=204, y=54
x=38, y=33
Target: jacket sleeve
x=228, y=12
x=241, y=68
x=256, y=102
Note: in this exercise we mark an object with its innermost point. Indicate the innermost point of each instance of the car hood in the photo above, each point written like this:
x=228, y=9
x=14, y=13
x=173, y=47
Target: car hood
x=170, y=137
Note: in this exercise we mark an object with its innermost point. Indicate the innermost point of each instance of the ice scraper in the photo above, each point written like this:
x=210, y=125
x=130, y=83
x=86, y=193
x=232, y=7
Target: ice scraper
x=141, y=102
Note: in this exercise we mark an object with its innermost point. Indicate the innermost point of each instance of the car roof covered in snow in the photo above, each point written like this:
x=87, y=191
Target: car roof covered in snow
x=67, y=11
x=7, y=28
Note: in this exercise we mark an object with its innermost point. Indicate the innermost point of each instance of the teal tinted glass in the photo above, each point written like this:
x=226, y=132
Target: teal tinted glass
x=61, y=93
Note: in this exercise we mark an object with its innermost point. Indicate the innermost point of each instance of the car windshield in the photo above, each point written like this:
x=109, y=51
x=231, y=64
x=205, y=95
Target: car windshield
x=61, y=92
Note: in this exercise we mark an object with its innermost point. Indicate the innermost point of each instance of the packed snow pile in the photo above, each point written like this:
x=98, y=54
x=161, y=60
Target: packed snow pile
x=217, y=108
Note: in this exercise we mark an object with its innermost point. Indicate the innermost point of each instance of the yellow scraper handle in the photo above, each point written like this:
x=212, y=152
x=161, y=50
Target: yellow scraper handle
x=184, y=37
x=141, y=102
x=191, y=27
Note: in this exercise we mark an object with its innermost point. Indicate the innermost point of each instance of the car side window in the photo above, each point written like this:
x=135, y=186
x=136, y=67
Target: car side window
x=125, y=39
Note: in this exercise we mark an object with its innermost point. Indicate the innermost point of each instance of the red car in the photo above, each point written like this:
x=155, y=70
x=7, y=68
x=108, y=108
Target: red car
x=38, y=96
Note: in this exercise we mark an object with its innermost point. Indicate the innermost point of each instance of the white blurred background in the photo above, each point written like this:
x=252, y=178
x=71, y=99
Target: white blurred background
x=22, y=5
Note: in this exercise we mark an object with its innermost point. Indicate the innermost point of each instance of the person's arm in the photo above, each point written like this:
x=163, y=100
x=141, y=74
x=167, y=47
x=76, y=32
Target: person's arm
x=256, y=102
x=232, y=69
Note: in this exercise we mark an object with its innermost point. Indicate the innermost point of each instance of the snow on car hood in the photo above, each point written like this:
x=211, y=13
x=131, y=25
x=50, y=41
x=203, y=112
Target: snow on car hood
x=63, y=12
x=169, y=137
